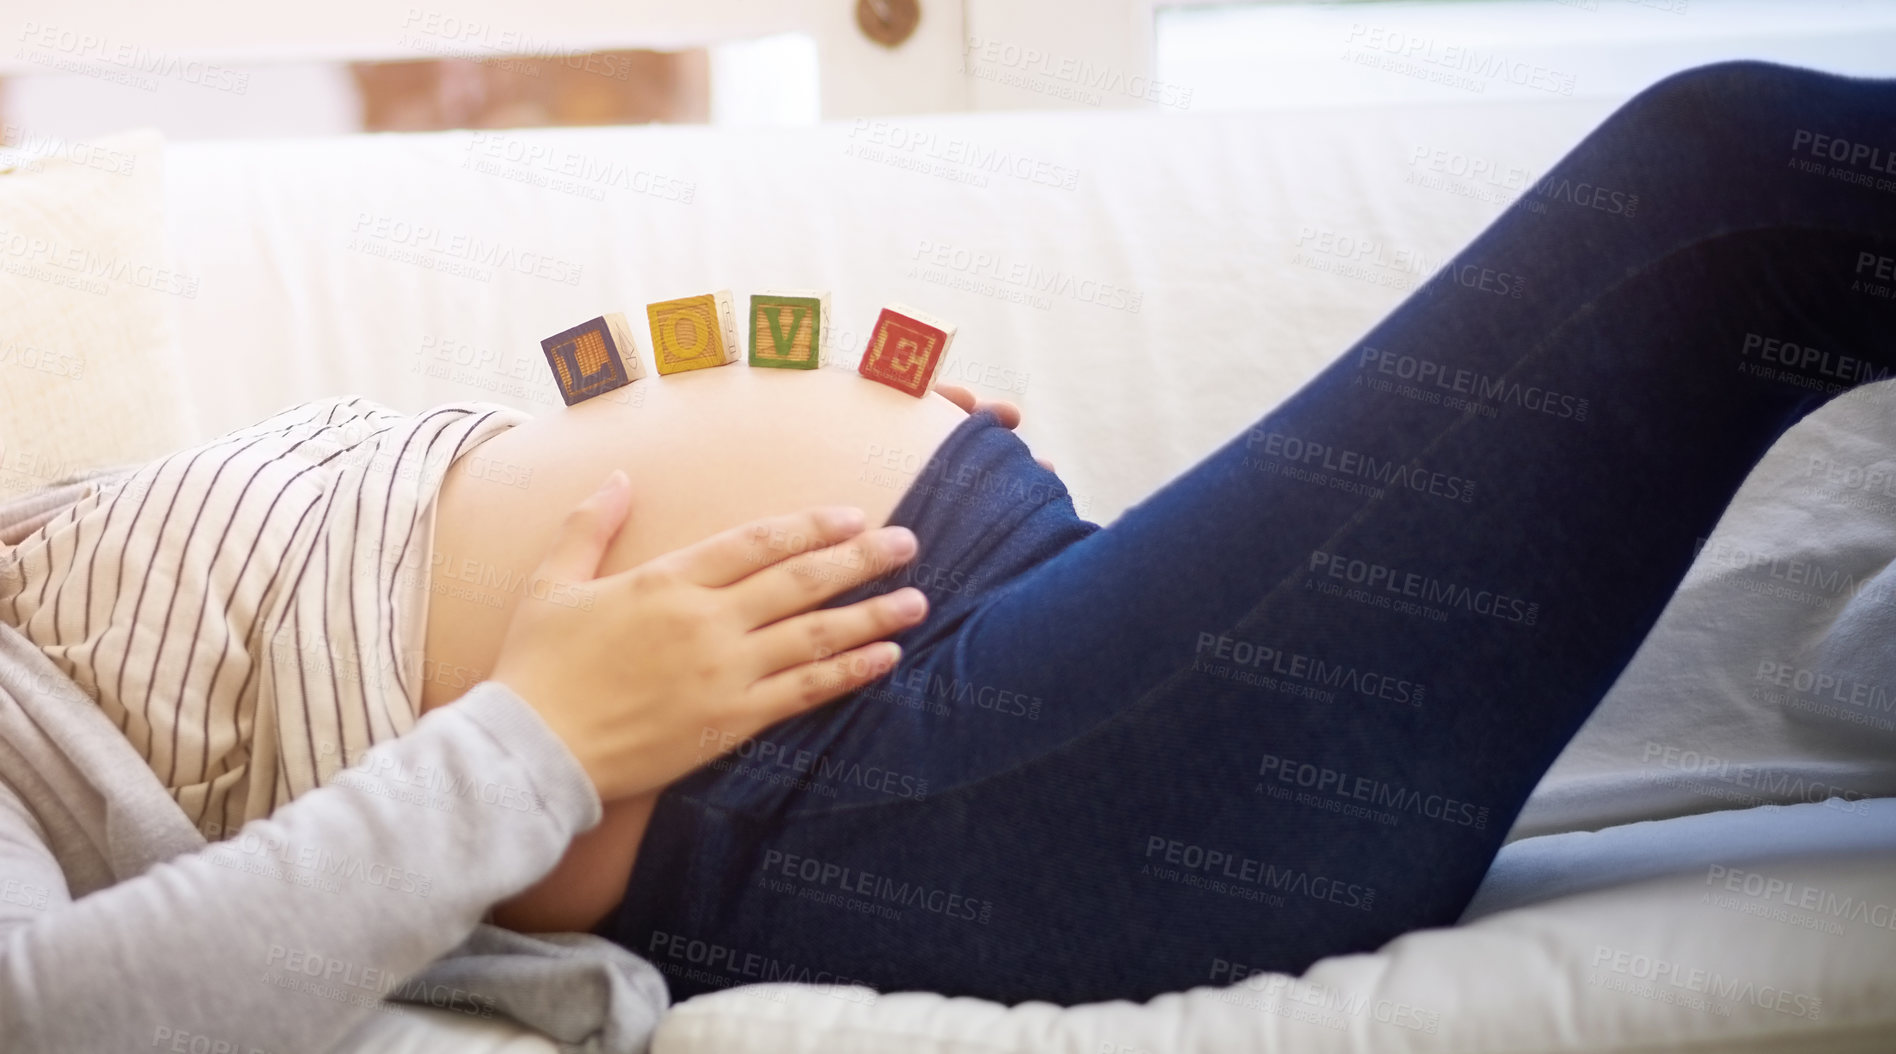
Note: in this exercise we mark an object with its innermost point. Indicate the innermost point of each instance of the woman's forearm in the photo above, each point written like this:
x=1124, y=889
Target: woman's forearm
x=590, y=878
x=349, y=890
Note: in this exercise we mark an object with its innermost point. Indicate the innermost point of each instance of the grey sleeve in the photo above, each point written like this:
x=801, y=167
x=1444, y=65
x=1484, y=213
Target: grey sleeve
x=286, y=936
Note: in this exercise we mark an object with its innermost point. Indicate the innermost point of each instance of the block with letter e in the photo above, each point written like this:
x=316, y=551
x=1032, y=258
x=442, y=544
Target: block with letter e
x=906, y=349
x=593, y=358
x=693, y=332
x=786, y=329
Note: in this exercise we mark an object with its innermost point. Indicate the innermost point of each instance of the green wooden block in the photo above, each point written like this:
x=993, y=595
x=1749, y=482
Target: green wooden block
x=786, y=329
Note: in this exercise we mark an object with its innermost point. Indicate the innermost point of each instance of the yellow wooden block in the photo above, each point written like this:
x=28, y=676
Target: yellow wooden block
x=693, y=332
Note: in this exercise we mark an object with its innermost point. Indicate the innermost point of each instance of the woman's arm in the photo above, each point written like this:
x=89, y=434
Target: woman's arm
x=362, y=888
x=351, y=888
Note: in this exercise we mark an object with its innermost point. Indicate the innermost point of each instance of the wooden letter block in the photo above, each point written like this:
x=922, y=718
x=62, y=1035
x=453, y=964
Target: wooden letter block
x=906, y=349
x=593, y=358
x=786, y=329
x=693, y=332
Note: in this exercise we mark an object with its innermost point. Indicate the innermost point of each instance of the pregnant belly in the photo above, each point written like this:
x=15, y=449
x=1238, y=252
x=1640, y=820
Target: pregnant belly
x=705, y=451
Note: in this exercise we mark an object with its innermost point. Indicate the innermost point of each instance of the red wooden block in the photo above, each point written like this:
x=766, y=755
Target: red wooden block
x=906, y=349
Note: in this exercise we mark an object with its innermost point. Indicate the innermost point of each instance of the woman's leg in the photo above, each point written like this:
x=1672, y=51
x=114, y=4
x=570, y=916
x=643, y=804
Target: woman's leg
x=1289, y=706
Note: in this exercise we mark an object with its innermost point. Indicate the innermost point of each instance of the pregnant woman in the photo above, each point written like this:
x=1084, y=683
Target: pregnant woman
x=1267, y=716
x=1110, y=757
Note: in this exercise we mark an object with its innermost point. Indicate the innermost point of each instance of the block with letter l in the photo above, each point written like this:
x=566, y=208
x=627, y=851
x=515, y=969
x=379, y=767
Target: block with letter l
x=593, y=358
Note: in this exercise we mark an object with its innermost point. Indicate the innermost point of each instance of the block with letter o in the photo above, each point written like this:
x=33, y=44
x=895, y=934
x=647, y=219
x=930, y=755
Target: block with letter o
x=693, y=332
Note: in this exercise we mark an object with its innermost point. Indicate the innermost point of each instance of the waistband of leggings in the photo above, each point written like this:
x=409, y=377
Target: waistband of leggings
x=981, y=466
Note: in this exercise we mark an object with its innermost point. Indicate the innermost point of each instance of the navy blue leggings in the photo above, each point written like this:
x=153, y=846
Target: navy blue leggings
x=1288, y=706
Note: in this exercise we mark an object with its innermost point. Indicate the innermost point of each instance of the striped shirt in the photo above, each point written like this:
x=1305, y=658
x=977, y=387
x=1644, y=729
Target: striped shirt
x=251, y=612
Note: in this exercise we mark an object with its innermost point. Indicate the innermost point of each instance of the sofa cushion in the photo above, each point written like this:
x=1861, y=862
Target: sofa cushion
x=1737, y=949
x=1770, y=676
x=88, y=366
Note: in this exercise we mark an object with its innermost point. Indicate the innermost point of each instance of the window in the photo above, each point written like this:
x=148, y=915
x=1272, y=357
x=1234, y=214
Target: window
x=1245, y=56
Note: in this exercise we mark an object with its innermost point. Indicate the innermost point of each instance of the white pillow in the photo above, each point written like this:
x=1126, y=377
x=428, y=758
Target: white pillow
x=1793, y=956
x=88, y=362
x=1771, y=675
x=403, y=1028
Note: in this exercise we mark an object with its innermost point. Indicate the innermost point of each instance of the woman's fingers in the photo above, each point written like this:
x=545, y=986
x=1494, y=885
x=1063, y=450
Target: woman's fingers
x=958, y=395
x=743, y=551
x=1007, y=413
x=812, y=684
x=802, y=582
x=821, y=634
x=587, y=532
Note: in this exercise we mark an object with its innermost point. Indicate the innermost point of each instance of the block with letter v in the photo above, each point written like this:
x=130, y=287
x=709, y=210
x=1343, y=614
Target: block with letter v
x=786, y=329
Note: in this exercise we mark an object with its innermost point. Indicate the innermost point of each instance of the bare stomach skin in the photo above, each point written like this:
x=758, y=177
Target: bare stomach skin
x=706, y=450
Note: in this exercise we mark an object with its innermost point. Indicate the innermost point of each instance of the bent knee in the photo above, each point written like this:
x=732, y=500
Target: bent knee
x=1719, y=95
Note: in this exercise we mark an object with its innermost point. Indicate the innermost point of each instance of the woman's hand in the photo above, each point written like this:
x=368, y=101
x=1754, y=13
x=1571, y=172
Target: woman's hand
x=1008, y=413
x=658, y=669
x=1005, y=412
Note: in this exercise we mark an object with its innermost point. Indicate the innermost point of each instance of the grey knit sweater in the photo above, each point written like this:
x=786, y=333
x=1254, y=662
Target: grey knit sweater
x=121, y=929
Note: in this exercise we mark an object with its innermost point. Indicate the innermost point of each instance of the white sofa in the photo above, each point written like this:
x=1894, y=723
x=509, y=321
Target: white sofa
x=1144, y=286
